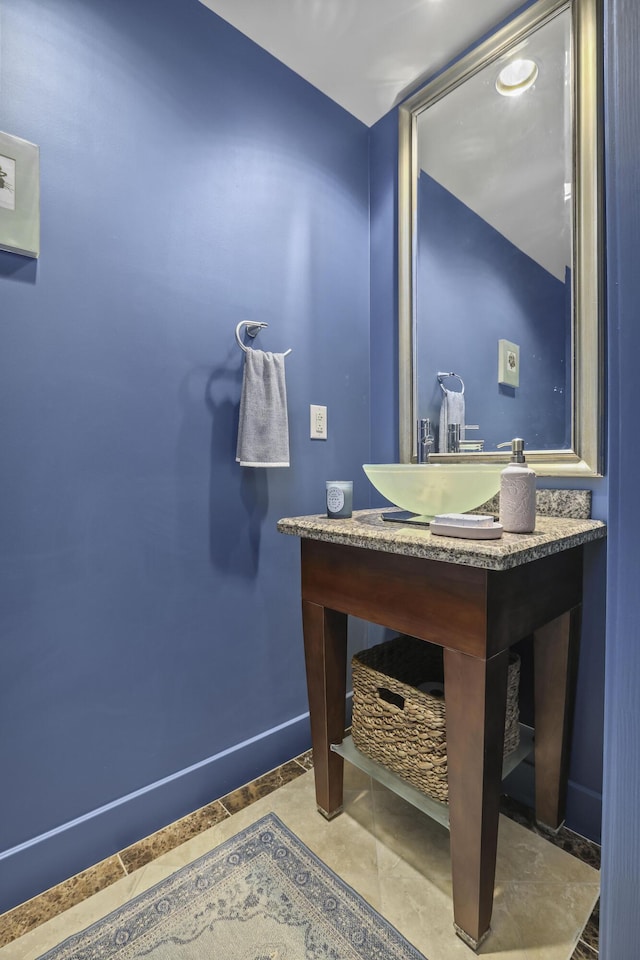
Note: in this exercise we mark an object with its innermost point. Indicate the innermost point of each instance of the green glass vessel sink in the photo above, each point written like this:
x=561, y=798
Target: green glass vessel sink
x=428, y=489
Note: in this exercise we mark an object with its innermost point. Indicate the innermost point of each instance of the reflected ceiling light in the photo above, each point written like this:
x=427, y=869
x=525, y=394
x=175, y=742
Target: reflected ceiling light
x=516, y=77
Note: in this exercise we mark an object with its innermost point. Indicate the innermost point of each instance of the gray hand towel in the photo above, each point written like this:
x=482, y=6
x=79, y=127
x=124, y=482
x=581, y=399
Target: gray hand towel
x=263, y=429
x=451, y=411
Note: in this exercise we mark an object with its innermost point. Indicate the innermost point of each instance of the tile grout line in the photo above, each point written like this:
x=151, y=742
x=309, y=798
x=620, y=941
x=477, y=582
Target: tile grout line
x=591, y=951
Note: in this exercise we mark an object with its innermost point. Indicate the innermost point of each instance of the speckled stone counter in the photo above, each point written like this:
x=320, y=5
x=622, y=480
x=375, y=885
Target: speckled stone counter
x=367, y=529
x=574, y=504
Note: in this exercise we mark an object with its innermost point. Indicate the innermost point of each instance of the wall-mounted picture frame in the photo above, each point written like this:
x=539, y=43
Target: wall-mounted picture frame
x=19, y=196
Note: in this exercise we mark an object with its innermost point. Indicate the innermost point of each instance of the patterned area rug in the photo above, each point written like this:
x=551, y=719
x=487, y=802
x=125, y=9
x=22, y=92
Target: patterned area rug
x=262, y=895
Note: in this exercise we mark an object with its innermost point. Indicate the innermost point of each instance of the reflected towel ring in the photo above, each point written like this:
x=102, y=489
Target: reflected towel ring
x=253, y=328
x=442, y=375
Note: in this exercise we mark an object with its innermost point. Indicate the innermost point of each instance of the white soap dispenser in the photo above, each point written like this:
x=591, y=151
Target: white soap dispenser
x=518, y=493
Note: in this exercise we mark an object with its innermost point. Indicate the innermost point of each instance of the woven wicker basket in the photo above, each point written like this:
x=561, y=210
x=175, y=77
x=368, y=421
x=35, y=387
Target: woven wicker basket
x=405, y=728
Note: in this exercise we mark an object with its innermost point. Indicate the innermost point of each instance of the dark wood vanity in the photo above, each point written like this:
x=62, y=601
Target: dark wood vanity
x=474, y=599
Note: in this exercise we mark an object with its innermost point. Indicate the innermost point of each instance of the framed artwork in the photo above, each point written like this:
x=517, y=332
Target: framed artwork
x=19, y=196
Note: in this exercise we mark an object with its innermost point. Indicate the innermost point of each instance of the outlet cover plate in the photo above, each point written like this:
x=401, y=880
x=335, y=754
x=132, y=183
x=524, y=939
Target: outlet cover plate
x=508, y=363
x=317, y=422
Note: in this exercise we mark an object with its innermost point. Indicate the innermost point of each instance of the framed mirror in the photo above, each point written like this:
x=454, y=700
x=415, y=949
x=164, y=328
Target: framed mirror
x=499, y=233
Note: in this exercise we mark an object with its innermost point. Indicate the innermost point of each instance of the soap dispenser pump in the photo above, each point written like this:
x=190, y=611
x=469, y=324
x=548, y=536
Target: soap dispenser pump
x=518, y=492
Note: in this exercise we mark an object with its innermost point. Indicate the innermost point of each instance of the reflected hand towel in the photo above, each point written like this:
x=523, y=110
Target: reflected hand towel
x=263, y=429
x=451, y=411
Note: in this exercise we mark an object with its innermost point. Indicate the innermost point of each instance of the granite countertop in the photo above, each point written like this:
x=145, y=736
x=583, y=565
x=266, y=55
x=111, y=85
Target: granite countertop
x=367, y=529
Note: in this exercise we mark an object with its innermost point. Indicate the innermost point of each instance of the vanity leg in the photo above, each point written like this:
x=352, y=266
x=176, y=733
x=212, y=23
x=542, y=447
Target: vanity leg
x=555, y=662
x=475, y=697
x=325, y=650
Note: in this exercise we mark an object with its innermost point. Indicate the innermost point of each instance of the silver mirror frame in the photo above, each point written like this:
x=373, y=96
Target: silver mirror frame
x=585, y=457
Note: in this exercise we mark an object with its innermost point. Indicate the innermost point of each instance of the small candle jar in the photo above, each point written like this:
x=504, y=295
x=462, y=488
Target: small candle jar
x=339, y=498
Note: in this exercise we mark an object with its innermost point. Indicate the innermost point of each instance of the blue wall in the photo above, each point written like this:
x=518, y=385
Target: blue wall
x=620, y=924
x=474, y=288
x=150, y=616
x=384, y=289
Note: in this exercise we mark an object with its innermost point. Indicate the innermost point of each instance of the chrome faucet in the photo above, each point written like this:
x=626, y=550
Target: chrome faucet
x=425, y=440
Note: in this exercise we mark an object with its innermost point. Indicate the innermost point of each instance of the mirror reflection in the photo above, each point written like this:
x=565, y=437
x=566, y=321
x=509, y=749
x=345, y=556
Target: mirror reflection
x=499, y=304
x=493, y=250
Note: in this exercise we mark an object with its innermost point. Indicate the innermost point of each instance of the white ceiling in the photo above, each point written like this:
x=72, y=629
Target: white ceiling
x=364, y=54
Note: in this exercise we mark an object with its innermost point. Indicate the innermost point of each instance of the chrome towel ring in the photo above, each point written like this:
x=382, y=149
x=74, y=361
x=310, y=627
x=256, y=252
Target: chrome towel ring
x=442, y=376
x=253, y=328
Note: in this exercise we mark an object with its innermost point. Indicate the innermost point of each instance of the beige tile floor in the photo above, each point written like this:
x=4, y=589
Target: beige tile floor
x=390, y=853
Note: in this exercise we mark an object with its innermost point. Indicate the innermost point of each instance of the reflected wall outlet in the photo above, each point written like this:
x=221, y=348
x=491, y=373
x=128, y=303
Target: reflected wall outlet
x=318, y=422
x=508, y=363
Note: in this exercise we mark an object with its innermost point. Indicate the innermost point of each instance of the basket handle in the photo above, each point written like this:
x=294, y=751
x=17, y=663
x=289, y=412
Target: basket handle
x=393, y=699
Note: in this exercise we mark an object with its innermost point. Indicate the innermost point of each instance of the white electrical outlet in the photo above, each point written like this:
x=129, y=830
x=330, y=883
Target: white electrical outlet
x=317, y=422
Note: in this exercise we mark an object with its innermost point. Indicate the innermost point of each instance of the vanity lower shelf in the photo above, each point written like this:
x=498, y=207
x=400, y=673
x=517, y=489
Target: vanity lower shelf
x=432, y=808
